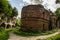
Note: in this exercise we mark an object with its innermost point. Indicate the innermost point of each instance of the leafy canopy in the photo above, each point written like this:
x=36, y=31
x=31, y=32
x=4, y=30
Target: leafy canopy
x=3, y=6
x=14, y=12
x=6, y=10
x=57, y=1
x=57, y=12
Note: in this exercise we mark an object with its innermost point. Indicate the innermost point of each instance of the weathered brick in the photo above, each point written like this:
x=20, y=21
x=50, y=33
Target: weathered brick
x=35, y=17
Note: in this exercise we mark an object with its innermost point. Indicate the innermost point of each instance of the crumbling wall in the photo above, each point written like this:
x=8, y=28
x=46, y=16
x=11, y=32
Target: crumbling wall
x=34, y=18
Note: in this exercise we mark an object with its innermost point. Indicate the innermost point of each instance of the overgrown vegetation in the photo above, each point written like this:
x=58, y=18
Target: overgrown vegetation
x=57, y=1
x=23, y=33
x=56, y=37
x=7, y=13
x=18, y=22
x=3, y=34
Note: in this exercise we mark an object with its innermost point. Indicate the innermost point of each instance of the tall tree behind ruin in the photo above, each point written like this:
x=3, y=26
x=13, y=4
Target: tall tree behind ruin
x=57, y=12
x=57, y=1
x=3, y=6
x=14, y=12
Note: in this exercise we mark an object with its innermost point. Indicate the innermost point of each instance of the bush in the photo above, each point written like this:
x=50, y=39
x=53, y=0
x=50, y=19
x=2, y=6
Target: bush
x=18, y=22
x=23, y=33
x=4, y=34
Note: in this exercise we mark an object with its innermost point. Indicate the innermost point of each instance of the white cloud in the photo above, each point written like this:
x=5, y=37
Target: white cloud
x=27, y=1
x=48, y=4
x=31, y=2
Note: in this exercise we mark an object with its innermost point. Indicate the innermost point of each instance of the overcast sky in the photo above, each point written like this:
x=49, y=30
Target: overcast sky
x=50, y=4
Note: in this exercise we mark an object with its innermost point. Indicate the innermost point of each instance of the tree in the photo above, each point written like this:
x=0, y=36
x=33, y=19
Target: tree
x=18, y=22
x=3, y=6
x=9, y=13
x=57, y=1
x=14, y=12
x=57, y=12
x=6, y=11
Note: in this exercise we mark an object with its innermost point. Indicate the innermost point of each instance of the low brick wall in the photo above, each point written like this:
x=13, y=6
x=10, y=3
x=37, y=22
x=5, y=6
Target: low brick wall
x=37, y=25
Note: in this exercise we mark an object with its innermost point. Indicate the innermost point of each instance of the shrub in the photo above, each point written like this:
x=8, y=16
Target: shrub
x=24, y=33
x=4, y=34
x=18, y=22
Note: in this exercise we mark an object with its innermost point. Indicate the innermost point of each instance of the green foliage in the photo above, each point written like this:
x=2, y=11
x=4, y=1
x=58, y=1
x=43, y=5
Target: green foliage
x=18, y=22
x=57, y=1
x=9, y=13
x=23, y=33
x=56, y=37
x=3, y=6
x=14, y=12
x=57, y=12
x=4, y=34
x=6, y=11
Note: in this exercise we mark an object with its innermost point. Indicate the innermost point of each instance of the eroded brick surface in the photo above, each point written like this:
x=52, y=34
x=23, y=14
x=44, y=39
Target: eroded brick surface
x=35, y=17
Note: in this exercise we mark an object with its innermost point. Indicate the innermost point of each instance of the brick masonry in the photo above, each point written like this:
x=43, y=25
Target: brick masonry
x=35, y=17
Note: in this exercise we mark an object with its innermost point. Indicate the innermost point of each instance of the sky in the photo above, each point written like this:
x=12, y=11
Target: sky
x=48, y=4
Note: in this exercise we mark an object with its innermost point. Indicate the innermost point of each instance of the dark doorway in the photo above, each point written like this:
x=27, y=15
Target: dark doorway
x=3, y=24
x=8, y=26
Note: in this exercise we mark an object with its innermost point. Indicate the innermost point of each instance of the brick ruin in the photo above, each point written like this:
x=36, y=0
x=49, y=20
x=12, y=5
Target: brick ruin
x=8, y=23
x=36, y=18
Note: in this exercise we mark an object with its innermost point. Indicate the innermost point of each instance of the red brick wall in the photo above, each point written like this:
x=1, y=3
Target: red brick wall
x=33, y=18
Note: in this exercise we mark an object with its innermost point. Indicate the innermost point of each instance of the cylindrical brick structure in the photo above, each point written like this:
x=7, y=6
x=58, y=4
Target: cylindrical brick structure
x=34, y=18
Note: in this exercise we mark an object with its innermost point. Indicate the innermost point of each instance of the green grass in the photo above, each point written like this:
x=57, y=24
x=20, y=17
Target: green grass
x=4, y=34
x=22, y=33
x=56, y=37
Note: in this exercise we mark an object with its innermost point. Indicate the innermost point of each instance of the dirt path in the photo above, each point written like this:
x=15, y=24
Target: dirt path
x=16, y=37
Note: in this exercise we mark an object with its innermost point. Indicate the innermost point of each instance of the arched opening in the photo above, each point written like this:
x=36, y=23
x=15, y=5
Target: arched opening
x=8, y=26
x=3, y=25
